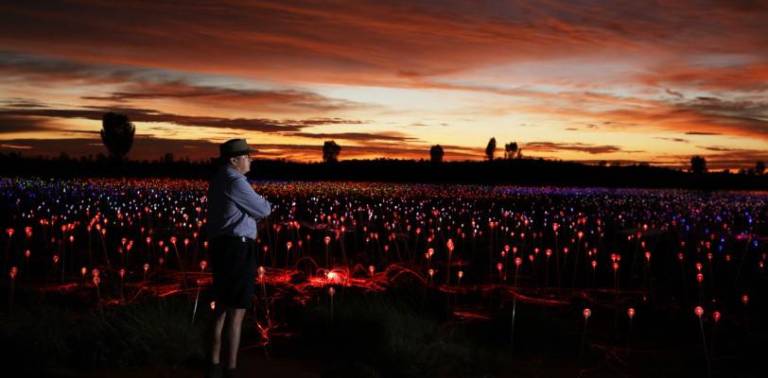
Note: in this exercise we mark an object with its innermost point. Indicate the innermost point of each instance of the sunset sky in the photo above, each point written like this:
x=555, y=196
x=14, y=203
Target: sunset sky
x=571, y=80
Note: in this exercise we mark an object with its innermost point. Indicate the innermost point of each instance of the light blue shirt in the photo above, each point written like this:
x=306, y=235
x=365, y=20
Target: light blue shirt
x=233, y=205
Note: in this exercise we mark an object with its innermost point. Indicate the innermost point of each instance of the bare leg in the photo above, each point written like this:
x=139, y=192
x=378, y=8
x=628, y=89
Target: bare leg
x=218, y=326
x=234, y=326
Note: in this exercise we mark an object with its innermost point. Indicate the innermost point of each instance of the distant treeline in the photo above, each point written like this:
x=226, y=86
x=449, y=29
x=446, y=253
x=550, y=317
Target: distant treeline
x=525, y=171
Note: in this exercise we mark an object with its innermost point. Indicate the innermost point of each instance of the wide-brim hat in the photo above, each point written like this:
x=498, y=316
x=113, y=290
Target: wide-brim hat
x=234, y=147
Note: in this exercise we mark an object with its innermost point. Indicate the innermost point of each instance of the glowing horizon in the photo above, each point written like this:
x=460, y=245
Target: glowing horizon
x=600, y=82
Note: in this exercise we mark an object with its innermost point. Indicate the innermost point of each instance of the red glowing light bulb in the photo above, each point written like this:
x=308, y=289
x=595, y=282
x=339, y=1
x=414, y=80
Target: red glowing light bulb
x=122, y=273
x=27, y=253
x=83, y=271
x=699, y=277
x=631, y=313
x=586, y=313
x=203, y=265
x=327, y=240
x=745, y=299
x=10, y=231
x=460, y=274
x=12, y=273
x=450, y=245
x=499, y=267
x=716, y=316
x=699, y=311
x=518, y=261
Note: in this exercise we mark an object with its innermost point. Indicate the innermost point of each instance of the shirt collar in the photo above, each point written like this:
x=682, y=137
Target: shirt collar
x=234, y=171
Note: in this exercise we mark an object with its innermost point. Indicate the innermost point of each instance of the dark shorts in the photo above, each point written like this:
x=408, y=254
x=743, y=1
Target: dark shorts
x=233, y=262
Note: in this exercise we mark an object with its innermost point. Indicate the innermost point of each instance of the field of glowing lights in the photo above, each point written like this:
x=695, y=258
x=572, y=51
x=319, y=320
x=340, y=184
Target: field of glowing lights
x=494, y=280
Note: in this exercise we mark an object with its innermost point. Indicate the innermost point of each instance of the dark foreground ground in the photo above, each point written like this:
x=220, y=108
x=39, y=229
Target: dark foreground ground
x=408, y=331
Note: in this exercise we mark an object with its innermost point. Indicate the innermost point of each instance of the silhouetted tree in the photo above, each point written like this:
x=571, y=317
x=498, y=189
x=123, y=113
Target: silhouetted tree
x=760, y=167
x=490, y=149
x=698, y=165
x=331, y=151
x=509, y=150
x=436, y=154
x=117, y=134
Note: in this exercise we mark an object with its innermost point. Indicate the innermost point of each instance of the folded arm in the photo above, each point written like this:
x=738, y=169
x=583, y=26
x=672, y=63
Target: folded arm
x=248, y=201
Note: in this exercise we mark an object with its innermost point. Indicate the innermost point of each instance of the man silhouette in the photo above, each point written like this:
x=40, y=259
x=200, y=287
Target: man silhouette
x=234, y=208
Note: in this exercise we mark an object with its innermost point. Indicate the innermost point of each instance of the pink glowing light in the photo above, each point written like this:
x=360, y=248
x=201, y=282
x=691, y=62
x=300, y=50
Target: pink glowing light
x=586, y=313
x=699, y=278
x=745, y=299
x=12, y=273
x=203, y=265
x=518, y=261
x=699, y=311
x=716, y=316
x=631, y=313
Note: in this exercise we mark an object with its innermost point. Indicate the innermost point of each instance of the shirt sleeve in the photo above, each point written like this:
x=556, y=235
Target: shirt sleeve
x=248, y=201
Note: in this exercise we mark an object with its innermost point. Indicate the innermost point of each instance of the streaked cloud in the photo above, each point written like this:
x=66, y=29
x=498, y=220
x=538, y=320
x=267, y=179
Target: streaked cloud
x=628, y=80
